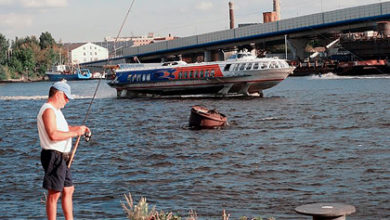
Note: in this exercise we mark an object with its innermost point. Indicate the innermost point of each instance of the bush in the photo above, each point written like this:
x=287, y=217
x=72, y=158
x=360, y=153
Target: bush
x=4, y=72
x=141, y=212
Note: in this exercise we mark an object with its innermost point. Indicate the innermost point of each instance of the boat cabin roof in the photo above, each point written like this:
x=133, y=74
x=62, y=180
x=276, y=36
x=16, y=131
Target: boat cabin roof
x=242, y=55
x=173, y=63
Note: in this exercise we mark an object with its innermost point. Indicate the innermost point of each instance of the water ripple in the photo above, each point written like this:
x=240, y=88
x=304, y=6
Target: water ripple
x=307, y=141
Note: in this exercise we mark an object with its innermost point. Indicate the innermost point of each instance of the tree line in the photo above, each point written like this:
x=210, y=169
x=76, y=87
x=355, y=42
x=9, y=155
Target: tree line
x=29, y=57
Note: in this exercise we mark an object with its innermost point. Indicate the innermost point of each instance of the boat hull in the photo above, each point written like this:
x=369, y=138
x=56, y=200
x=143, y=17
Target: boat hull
x=69, y=77
x=59, y=77
x=365, y=67
x=252, y=83
x=242, y=74
x=201, y=117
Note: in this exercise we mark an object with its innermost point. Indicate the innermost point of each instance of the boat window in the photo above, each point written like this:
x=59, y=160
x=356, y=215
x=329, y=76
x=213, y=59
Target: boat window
x=212, y=73
x=201, y=74
x=256, y=66
x=242, y=67
x=133, y=78
x=249, y=66
x=138, y=77
x=227, y=67
x=206, y=74
x=234, y=56
x=185, y=75
x=196, y=74
x=273, y=65
x=236, y=67
x=283, y=64
x=191, y=74
x=180, y=75
x=148, y=77
x=264, y=65
x=143, y=77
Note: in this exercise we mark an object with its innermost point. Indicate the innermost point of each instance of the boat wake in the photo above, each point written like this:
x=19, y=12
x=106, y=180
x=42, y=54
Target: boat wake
x=335, y=76
x=271, y=119
x=38, y=97
x=9, y=98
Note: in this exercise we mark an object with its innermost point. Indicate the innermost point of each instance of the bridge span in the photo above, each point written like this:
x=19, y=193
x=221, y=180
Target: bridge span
x=298, y=31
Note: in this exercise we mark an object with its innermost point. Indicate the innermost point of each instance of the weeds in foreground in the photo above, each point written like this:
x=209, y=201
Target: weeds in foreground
x=44, y=198
x=141, y=211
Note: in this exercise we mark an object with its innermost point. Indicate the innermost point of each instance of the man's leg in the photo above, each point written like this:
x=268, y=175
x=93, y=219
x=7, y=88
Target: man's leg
x=51, y=204
x=66, y=201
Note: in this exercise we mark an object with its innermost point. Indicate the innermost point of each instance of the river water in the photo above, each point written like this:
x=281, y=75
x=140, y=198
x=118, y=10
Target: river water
x=311, y=139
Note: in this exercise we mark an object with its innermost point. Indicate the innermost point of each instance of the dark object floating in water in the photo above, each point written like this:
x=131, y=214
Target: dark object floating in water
x=202, y=117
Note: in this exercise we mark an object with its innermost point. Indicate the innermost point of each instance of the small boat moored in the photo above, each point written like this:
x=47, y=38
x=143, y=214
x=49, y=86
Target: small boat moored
x=60, y=72
x=202, y=117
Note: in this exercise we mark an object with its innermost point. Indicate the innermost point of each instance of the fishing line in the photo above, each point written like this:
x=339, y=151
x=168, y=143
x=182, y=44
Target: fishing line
x=97, y=88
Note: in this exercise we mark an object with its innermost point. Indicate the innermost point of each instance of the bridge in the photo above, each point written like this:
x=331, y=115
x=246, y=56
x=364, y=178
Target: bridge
x=297, y=31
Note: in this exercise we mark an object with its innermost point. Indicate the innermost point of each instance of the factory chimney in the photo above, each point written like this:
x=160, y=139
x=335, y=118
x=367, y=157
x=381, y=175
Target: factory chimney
x=277, y=9
x=231, y=15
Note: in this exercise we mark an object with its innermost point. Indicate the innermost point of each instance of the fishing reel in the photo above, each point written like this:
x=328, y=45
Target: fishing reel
x=87, y=136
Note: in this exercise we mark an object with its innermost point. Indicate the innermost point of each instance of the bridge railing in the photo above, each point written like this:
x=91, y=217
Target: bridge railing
x=216, y=36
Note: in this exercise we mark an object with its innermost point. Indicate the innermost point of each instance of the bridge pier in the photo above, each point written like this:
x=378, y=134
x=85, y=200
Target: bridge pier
x=297, y=47
x=219, y=56
x=207, y=56
x=171, y=58
x=213, y=55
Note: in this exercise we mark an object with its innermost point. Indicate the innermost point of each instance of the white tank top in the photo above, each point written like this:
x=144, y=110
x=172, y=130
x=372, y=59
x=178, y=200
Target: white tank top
x=47, y=144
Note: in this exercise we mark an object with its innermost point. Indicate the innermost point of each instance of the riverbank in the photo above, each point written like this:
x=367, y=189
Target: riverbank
x=25, y=80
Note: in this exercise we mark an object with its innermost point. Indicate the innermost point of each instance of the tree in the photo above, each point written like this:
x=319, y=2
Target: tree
x=29, y=56
x=23, y=60
x=46, y=40
x=4, y=45
x=4, y=72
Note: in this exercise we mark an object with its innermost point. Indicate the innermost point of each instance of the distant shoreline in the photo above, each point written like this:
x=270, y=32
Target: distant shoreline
x=24, y=80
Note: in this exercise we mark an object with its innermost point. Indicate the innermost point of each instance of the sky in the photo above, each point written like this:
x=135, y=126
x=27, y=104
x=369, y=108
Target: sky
x=71, y=21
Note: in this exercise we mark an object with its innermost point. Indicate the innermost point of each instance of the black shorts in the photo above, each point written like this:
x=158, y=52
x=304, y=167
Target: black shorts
x=57, y=174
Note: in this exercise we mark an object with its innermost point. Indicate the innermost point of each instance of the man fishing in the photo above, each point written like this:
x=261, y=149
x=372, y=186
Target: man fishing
x=55, y=137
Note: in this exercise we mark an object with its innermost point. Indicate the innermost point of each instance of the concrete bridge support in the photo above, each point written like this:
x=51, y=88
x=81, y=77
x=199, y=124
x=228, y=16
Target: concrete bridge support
x=171, y=58
x=297, y=47
x=213, y=55
x=218, y=55
x=207, y=56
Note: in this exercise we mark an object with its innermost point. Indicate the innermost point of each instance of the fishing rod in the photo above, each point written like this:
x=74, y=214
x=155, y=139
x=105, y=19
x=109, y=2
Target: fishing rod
x=89, y=134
